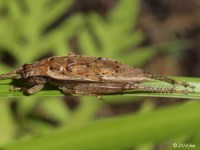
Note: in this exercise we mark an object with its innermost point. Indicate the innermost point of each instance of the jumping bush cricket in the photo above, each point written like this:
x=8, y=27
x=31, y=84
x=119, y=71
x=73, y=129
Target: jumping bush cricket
x=83, y=75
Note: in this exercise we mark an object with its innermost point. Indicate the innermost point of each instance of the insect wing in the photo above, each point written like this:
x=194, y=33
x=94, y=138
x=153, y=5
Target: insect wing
x=84, y=68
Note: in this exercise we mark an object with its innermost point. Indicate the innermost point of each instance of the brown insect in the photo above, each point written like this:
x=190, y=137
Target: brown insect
x=83, y=75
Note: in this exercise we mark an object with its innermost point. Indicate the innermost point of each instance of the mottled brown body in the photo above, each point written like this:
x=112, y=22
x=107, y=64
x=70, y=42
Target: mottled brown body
x=76, y=74
x=77, y=67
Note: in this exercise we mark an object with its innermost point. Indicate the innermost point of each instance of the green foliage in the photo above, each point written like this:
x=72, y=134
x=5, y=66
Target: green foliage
x=121, y=132
x=22, y=33
x=21, y=30
x=114, y=37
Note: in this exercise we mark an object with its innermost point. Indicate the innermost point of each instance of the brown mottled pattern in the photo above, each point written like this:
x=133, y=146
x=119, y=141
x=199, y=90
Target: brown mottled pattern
x=76, y=67
x=86, y=75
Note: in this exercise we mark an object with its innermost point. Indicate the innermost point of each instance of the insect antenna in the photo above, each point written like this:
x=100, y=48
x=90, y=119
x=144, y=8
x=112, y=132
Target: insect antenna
x=11, y=75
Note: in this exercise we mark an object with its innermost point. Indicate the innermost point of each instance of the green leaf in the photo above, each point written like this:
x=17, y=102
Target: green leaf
x=121, y=132
x=7, y=126
x=55, y=109
x=193, y=93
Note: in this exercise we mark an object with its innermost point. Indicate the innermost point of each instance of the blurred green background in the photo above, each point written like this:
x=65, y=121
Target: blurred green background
x=157, y=35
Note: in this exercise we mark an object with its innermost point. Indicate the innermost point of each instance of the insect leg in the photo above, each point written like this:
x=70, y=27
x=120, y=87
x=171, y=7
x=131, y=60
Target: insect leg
x=35, y=89
x=72, y=91
x=156, y=89
x=66, y=90
x=168, y=80
x=32, y=90
x=95, y=89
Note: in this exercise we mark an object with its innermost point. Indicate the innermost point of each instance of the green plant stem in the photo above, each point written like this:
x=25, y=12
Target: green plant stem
x=192, y=92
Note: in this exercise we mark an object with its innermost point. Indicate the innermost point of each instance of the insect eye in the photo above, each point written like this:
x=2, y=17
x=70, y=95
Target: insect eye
x=25, y=70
